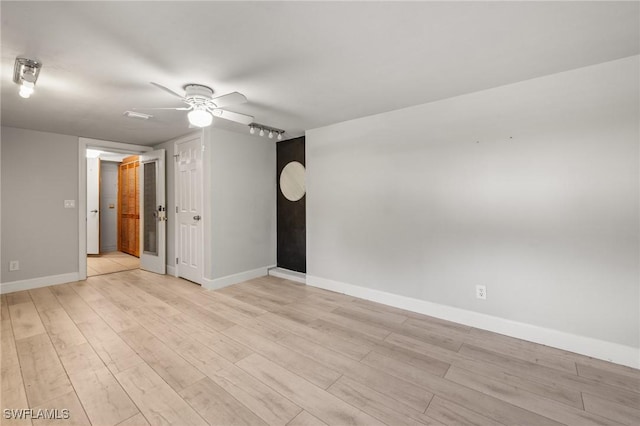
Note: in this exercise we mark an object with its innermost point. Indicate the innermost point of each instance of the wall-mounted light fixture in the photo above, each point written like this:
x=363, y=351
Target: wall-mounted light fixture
x=25, y=74
x=271, y=131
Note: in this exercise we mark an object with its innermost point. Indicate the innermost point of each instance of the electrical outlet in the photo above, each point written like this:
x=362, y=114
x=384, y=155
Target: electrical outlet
x=14, y=265
x=481, y=291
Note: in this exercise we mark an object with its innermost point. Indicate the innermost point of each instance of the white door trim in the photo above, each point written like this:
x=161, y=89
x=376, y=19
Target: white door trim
x=83, y=143
x=205, y=210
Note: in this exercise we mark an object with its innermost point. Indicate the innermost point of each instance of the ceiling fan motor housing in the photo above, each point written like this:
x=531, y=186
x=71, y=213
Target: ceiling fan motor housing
x=198, y=94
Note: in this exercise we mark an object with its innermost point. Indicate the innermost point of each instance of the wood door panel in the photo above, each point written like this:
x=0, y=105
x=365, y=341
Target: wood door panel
x=128, y=208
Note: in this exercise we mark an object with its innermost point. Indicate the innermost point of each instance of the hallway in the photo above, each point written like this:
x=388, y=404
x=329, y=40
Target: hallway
x=107, y=263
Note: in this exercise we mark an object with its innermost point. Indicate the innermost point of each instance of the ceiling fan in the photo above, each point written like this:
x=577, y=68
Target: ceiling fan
x=202, y=106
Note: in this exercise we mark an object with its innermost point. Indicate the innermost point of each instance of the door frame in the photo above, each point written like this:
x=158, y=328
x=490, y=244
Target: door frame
x=205, y=188
x=83, y=144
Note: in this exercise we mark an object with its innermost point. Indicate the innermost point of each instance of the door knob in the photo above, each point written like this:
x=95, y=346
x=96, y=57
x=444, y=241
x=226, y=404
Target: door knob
x=94, y=211
x=196, y=217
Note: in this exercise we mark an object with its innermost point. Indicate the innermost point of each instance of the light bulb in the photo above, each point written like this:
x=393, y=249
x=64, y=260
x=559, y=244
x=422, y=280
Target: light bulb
x=261, y=132
x=26, y=89
x=279, y=136
x=200, y=117
x=252, y=130
x=271, y=134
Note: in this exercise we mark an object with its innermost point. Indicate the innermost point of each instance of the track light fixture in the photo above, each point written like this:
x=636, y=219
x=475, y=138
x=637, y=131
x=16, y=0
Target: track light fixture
x=25, y=74
x=270, y=131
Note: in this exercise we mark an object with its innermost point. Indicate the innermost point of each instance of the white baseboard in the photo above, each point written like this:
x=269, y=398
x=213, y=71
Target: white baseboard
x=32, y=283
x=289, y=275
x=601, y=349
x=235, y=278
x=171, y=270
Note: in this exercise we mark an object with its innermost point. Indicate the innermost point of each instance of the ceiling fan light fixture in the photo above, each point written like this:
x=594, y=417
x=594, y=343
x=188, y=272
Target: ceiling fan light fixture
x=200, y=117
x=203, y=106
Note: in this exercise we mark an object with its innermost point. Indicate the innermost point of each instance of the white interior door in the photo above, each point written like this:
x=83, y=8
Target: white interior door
x=153, y=214
x=189, y=232
x=93, y=206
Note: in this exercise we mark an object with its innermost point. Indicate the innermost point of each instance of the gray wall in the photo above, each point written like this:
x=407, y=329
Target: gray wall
x=39, y=172
x=108, y=195
x=243, y=202
x=531, y=189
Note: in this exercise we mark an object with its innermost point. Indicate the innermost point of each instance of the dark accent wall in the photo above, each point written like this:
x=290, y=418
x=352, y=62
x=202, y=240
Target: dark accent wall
x=292, y=231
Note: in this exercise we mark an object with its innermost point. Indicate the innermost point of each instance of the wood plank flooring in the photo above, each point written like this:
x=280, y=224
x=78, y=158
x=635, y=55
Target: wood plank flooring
x=108, y=263
x=135, y=348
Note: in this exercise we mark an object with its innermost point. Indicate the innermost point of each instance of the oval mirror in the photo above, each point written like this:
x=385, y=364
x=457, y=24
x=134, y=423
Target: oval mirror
x=292, y=181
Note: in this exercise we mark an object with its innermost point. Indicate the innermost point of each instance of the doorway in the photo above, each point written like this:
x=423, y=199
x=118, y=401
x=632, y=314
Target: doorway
x=114, y=148
x=112, y=212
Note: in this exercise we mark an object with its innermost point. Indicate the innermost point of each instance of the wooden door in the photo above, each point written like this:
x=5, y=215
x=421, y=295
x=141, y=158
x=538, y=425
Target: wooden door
x=128, y=206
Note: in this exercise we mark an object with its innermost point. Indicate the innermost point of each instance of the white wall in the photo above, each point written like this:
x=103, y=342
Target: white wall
x=531, y=189
x=39, y=172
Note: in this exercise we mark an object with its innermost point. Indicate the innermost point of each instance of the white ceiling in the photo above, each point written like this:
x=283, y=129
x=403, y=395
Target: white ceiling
x=302, y=65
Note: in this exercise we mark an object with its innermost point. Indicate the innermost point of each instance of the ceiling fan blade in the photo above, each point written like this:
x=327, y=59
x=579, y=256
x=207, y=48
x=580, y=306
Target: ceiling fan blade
x=177, y=109
x=232, y=98
x=232, y=116
x=161, y=87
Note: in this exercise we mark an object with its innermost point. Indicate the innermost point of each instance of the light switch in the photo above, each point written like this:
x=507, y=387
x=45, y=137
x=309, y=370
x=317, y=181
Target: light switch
x=69, y=204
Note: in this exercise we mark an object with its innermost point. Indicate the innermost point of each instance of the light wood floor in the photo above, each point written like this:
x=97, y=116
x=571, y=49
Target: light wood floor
x=135, y=348
x=108, y=263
